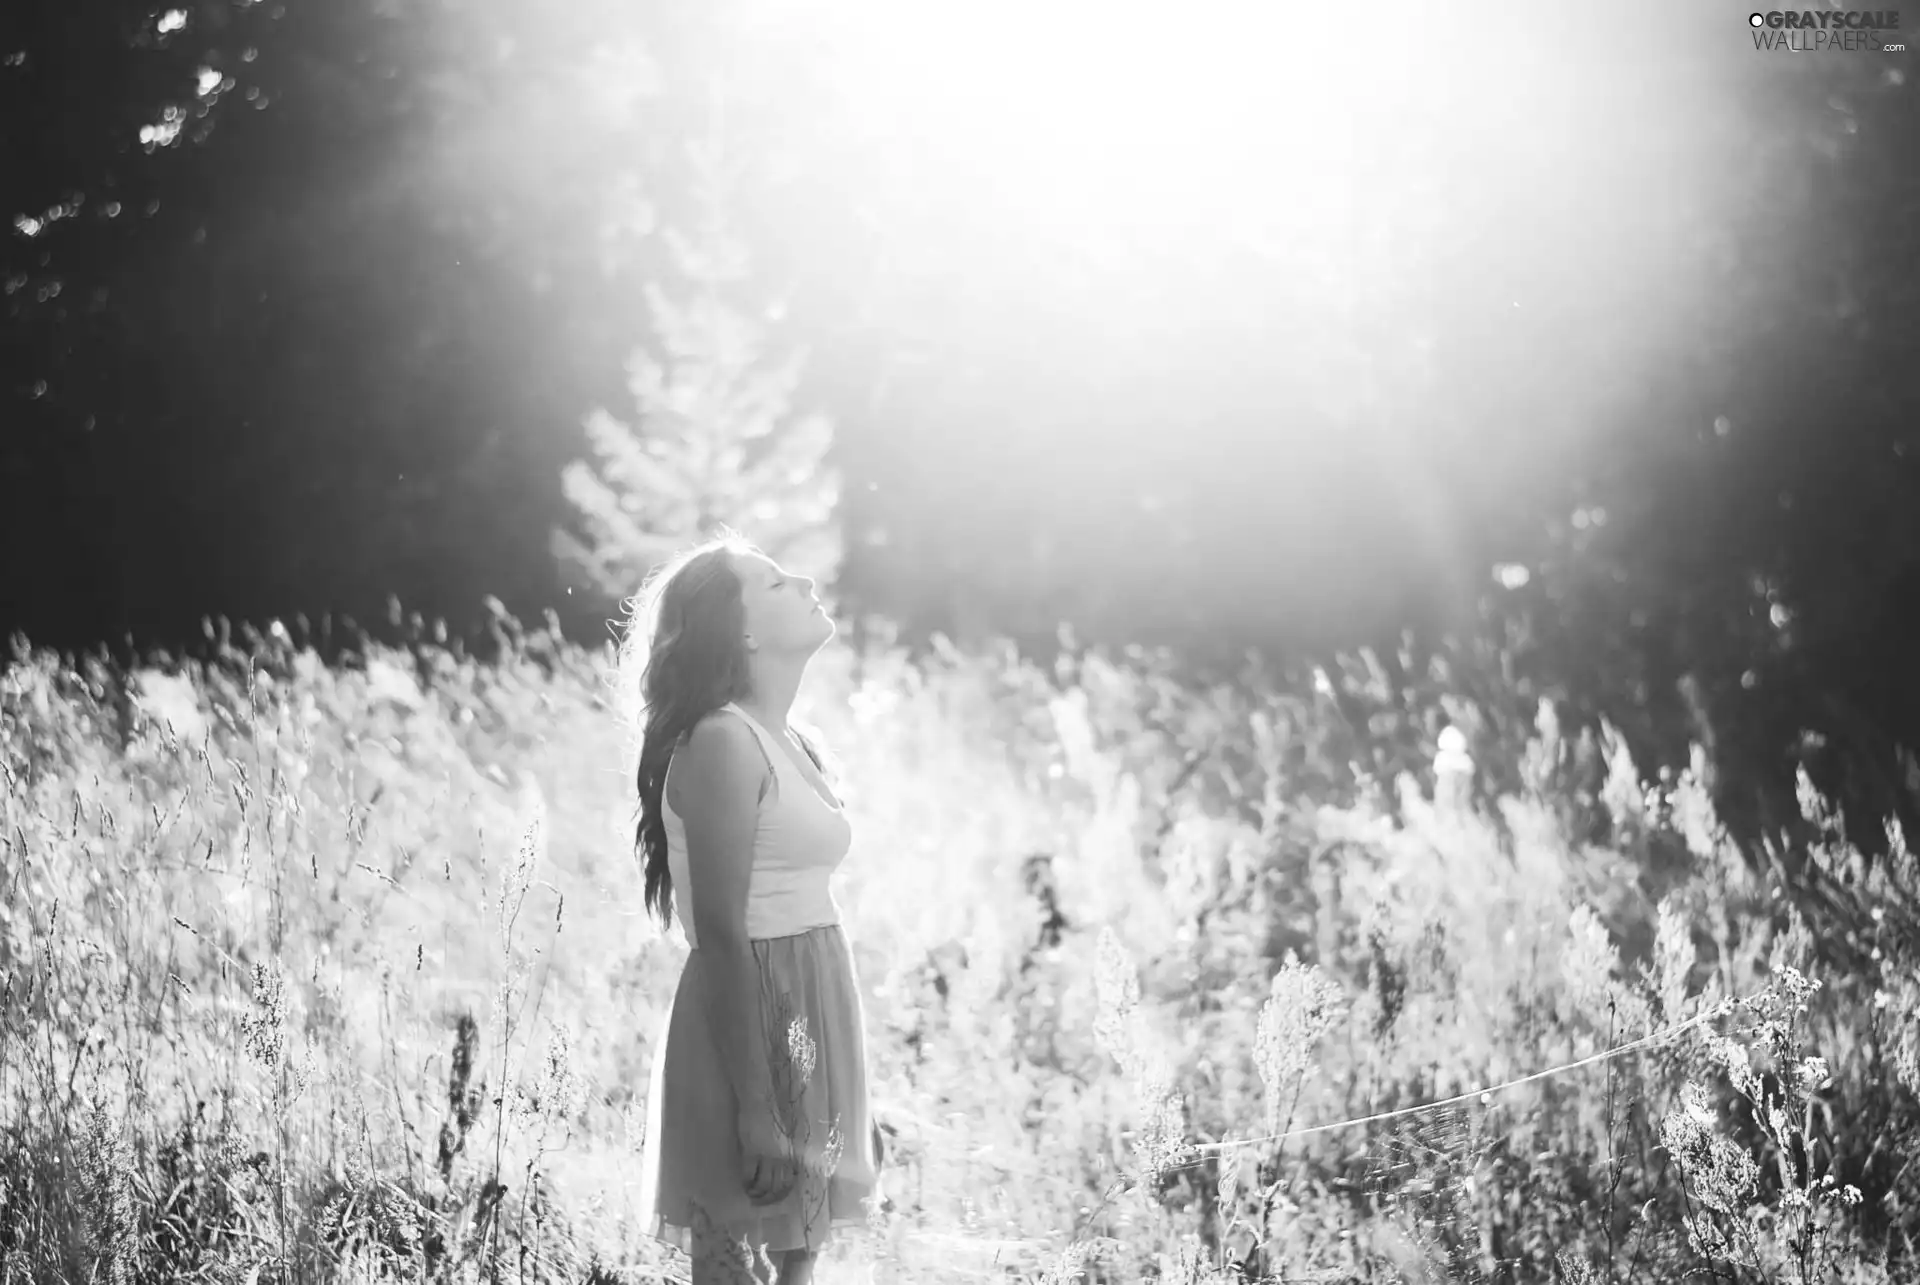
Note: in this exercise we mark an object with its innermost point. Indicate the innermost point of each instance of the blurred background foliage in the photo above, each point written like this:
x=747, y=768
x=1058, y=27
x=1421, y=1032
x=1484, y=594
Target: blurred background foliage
x=311, y=304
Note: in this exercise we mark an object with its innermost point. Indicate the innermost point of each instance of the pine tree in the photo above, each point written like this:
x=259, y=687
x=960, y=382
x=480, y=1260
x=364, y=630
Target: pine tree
x=716, y=442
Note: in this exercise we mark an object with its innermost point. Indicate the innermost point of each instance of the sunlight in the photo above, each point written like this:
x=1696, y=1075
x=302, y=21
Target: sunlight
x=1078, y=115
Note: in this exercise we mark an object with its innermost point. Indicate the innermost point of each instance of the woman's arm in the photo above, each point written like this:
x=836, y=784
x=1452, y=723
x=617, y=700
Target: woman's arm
x=715, y=785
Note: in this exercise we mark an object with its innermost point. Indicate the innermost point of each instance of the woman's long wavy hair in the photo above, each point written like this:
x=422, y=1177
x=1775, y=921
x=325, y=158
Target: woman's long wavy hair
x=684, y=655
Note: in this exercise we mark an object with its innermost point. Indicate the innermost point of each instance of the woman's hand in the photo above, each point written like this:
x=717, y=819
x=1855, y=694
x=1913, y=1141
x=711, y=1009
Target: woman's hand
x=767, y=1164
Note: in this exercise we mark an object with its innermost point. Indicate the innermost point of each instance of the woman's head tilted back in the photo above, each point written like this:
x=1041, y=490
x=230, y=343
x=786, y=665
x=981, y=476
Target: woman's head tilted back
x=689, y=648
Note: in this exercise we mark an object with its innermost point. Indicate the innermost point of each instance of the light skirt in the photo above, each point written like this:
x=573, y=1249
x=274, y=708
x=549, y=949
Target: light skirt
x=691, y=1158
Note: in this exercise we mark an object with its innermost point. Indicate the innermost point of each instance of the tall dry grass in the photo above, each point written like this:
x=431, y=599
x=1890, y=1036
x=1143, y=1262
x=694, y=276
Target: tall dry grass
x=339, y=972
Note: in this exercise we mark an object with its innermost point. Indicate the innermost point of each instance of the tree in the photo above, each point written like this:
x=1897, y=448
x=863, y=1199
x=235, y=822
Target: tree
x=305, y=301
x=108, y=106
x=1745, y=570
x=716, y=444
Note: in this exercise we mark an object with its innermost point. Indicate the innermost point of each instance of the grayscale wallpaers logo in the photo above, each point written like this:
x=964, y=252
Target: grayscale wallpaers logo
x=1817, y=31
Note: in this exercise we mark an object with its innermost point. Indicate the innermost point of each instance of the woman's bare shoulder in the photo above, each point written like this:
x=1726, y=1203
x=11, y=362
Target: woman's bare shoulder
x=719, y=755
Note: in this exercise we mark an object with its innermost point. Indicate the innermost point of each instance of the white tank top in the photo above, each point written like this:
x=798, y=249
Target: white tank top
x=799, y=839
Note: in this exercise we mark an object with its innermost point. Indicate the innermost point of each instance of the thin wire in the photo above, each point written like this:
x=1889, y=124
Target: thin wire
x=1633, y=1046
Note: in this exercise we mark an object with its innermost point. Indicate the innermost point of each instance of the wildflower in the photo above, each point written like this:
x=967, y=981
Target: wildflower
x=264, y=1031
x=1588, y=962
x=1576, y=1270
x=1722, y=1176
x=1673, y=955
x=533, y=848
x=105, y=1165
x=1070, y=1265
x=558, y=1092
x=1159, y=1141
x=793, y=1055
x=1737, y=1060
x=1795, y=988
x=1117, y=990
x=1302, y=1007
x=830, y=1154
x=801, y=1051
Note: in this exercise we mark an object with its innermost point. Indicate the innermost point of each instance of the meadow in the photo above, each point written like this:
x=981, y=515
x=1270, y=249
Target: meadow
x=318, y=972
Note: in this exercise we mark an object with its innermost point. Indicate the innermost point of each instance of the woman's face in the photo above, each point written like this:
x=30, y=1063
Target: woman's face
x=782, y=615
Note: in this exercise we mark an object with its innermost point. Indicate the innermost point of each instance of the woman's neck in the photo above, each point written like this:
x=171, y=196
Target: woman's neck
x=775, y=685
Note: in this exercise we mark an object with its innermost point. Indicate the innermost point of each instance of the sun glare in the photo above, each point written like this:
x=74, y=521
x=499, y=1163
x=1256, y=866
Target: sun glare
x=1086, y=114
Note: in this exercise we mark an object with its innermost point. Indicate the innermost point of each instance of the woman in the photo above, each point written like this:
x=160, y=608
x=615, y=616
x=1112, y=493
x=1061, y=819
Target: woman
x=758, y=1125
